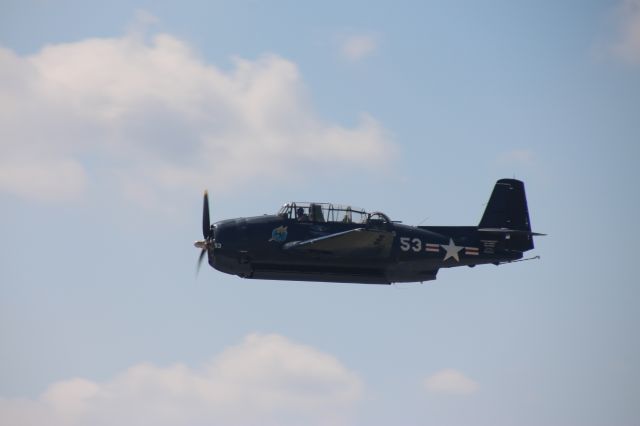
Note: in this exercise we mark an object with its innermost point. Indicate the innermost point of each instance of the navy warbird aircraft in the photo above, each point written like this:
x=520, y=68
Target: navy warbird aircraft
x=331, y=243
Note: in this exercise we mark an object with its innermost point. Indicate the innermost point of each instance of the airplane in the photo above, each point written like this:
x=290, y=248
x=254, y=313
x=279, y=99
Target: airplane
x=308, y=241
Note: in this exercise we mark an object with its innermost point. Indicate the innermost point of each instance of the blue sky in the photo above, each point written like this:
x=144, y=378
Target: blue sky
x=116, y=116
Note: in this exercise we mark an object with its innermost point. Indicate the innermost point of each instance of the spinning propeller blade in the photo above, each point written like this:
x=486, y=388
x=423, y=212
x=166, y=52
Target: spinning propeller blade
x=202, y=253
x=206, y=223
x=206, y=232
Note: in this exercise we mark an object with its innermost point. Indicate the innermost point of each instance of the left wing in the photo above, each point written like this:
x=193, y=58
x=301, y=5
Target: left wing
x=358, y=241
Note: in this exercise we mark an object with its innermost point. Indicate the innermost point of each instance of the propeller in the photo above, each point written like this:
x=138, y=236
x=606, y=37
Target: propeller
x=207, y=232
x=206, y=223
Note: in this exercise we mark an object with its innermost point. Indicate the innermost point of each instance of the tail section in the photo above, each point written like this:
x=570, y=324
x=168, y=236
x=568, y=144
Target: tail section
x=507, y=214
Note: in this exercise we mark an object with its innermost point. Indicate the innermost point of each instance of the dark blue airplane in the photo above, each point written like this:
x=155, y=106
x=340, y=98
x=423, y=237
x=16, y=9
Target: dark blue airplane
x=331, y=243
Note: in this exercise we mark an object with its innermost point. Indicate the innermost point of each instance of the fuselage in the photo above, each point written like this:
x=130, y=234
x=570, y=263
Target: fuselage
x=255, y=247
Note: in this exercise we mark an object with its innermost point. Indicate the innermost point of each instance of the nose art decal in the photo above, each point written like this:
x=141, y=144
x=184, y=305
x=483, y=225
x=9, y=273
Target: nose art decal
x=279, y=234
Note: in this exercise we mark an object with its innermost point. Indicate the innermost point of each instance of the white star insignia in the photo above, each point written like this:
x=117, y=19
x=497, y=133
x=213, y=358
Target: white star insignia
x=452, y=250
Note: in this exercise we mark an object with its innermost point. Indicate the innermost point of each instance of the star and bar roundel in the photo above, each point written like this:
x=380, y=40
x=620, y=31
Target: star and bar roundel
x=451, y=249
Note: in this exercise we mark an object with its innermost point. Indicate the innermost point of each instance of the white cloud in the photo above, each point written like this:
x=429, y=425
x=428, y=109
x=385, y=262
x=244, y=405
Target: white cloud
x=357, y=47
x=450, y=382
x=144, y=19
x=46, y=179
x=152, y=116
x=627, y=44
x=266, y=380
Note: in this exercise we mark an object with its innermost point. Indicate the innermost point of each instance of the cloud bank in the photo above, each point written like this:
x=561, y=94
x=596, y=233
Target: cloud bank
x=450, y=382
x=147, y=116
x=627, y=44
x=266, y=380
x=357, y=47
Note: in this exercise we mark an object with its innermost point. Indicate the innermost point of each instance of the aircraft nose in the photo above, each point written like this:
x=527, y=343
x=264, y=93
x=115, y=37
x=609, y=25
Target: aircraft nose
x=219, y=235
x=230, y=234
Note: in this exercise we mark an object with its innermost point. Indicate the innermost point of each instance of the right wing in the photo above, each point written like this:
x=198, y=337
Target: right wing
x=358, y=241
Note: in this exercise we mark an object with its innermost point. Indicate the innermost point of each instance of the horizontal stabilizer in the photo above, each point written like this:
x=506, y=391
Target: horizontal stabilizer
x=511, y=231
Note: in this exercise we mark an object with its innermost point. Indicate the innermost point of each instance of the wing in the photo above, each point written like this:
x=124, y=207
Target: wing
x=360, y=241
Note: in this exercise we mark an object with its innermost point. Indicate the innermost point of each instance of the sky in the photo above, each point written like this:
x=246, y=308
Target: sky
x=115, y=116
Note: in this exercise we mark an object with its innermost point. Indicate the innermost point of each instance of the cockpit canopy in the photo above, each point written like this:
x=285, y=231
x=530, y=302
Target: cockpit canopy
x=323, y=212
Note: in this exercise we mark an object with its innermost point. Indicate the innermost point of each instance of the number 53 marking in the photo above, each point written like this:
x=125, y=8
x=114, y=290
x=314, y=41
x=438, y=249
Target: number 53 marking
x=408, y=243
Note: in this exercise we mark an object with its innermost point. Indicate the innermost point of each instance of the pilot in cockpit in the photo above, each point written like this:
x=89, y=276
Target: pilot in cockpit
x=347, y=216
x=301, y=215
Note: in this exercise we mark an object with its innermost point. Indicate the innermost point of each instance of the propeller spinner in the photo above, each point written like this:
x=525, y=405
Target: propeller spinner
x=207, y=232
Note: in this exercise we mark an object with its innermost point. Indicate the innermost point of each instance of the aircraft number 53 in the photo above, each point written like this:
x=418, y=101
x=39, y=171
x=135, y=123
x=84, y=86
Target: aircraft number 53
x=408, y=243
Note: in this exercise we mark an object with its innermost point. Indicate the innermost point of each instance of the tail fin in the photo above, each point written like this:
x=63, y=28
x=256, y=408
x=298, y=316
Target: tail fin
x=507, y=214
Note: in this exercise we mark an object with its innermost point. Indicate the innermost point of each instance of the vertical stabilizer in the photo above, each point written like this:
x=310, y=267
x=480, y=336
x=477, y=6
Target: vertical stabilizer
x=507, y=210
